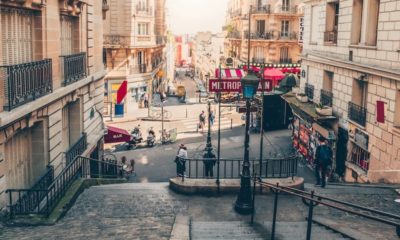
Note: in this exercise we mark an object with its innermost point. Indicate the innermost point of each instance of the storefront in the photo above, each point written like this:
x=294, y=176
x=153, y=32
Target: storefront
x=307, y=126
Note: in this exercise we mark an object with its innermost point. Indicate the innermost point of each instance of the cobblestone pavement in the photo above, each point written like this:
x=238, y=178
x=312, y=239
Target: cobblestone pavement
x=147, y=211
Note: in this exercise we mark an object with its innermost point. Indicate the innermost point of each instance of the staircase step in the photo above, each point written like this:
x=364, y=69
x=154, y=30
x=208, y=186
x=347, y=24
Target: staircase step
x=234, y=230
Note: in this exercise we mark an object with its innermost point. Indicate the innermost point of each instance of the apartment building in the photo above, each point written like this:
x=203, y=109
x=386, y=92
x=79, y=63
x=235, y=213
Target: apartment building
x=51, y=89
x=134, y=49
x=351, y=62
x=275, y=31
x=208, y=50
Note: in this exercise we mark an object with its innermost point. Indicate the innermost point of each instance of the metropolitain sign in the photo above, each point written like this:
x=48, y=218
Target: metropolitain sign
x=234, y=85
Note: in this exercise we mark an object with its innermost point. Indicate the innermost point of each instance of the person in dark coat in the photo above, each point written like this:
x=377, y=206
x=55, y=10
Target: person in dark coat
x=180, y=160
x=323, y=159
x=209, y=162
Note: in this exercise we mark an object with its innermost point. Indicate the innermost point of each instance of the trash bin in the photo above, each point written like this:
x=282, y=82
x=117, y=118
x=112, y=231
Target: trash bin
x=119, y=110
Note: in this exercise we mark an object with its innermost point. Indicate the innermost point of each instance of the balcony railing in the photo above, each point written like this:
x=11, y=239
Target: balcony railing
x=261, y=36
x=357, y=113
x=286, y=9
x=287, y=35
x=285, y=60
x=77, y=149
x=144, y=10
x=264, y=9
x=326, y=98
x=309, y=90
x=142, y=68
x=116, y=40
x=26, y=82
x=330, y=37
x=360, y=157
x=73, y=67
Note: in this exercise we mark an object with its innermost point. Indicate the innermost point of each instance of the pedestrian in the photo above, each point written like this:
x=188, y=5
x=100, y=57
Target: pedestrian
x=180, y=160
x=323, y=159
x=132, y=169
x=209, y=162
x=202, y=121
x=212, y=117
x=146, y=100
x=125, y=167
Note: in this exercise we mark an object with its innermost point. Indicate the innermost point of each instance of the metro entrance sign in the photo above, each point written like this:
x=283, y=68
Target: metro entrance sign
x=234, y=85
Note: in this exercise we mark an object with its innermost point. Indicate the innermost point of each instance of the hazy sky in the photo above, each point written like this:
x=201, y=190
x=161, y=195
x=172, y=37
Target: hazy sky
x=191, y=16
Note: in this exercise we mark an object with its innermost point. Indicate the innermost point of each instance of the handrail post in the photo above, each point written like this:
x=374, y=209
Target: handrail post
x=310, y=215
x=275, y=211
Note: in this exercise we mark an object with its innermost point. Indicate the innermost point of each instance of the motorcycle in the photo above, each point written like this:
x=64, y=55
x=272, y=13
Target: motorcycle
x=136, y=138
x=151, y=138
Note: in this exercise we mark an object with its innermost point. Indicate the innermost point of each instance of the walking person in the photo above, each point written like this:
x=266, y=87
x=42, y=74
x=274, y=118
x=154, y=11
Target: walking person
x=202, y=121
x=323, y=159
x=132, y=169
x=212, y=117
x=146, y=100
x=180, y=160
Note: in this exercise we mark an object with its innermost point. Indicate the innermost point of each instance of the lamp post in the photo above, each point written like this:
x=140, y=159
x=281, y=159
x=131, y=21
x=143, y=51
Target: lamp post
x=209, y=147
x=243, y=203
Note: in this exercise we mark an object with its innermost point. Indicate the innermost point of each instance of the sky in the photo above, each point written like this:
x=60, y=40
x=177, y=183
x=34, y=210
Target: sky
x=192, y=16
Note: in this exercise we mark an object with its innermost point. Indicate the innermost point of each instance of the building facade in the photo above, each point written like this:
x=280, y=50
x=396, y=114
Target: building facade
x=134, y=45
x=276, y=33
x=51, y=88
x=351, y=62
x=208, y=50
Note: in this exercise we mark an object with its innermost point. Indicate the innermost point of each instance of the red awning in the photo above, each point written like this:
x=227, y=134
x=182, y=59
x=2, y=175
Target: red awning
x=230, y=73
x=115, y=135
x=273, y=74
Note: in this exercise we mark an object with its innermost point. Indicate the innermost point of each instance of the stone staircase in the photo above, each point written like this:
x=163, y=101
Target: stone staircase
x=236, y=230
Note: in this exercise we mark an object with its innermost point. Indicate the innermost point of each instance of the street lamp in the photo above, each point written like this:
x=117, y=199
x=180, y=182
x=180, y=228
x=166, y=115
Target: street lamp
x=209, y=147
x=243, y=203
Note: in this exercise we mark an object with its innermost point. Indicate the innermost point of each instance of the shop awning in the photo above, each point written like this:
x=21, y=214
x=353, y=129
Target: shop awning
x=115, y=135
x=230, y=73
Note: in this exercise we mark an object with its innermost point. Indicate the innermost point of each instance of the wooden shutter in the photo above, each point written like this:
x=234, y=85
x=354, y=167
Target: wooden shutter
x=67, y=39
x=16, y=35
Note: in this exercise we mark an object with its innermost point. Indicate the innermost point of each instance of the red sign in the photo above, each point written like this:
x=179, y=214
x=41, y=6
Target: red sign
x=121, y=93
x=234, y=85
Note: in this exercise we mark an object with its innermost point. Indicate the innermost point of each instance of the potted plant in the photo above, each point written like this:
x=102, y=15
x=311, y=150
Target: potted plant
x=302, y=97
x=323, y=110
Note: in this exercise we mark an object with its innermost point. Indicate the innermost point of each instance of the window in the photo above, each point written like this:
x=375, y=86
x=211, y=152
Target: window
x=284, y=55
x=16, y=35
x=259, y=55
x=359, y=95
x=285, y=5
x=332, y=21
x=314, y=24
x=143, y=29
x=260, y=27
x=285, y=28
x=365, y=22
x=69, y=35
x=328, y=81
x=397, y=110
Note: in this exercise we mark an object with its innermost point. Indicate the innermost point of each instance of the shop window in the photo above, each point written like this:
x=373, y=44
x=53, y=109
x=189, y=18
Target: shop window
x=397, y=110
x=17, y=35
x=365, y=22
x=360, y=157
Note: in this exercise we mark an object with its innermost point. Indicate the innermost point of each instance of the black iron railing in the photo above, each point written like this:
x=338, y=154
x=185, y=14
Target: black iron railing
x=287, y=35
x=77, y=149
x=287, y=9
x=357, y=113
x=262, y=9
x=309, y=91
x=26, y=82
x=231, y=168
x=142, y=68
x=27, y=201
x=261, y=36
x=312, y=200
x=285, y=60
x=326, y=98
x=330, y=36
x=73, y=67
x=79, y=167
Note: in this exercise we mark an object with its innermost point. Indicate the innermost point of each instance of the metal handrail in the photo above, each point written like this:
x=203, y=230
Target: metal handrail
x=314, y=200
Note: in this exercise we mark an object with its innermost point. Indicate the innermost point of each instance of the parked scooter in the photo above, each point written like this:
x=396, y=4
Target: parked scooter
x=136, y=138
x=151, y=137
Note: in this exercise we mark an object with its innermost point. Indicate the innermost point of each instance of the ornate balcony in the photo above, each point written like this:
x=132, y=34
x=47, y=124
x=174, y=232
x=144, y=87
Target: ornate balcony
x=286, y=9
x=326, y=98
x=144, y=10
x=262, y=9
x=26, y=82
x=73, y=67
x=357, y=114
x=309, y=90
x=330, y=37
x=116, y=41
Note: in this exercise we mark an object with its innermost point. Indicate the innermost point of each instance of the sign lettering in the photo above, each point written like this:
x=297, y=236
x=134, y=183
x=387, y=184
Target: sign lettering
x=234, y=85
